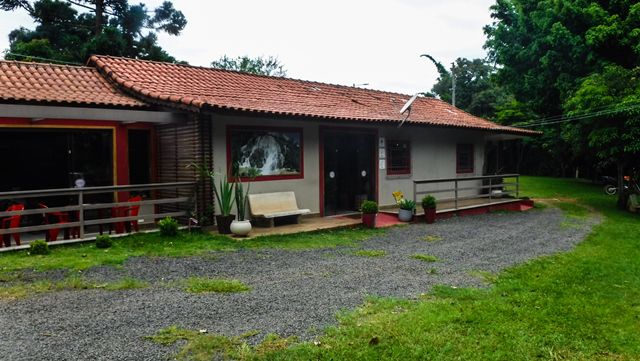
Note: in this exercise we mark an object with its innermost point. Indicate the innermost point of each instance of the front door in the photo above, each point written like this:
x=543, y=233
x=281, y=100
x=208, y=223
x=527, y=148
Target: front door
x=349, y=172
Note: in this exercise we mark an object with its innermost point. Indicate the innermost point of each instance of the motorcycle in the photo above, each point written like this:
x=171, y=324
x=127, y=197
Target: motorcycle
x=611, y=185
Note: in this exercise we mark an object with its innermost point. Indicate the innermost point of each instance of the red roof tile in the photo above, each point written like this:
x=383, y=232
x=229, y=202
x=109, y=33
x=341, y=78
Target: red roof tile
x=199, y=87
x=49, y=83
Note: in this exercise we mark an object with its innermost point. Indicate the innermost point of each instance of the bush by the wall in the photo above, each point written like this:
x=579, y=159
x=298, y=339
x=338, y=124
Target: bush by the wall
x=39, y=247
x=103, y=241
x=168, y=227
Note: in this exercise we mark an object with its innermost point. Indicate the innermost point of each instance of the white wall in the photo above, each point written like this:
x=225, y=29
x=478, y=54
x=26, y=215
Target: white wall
x=433, y=155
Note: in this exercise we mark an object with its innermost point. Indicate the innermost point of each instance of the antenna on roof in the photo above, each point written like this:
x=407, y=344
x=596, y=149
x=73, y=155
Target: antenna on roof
x=407, y=106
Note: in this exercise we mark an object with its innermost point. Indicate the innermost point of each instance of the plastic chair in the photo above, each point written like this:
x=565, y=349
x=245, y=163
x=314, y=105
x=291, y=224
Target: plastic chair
x=12, y=222
x=51, y=235
x=133, y=212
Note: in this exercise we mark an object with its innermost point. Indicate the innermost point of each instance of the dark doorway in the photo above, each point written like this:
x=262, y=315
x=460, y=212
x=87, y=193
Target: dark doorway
x=349, y=170
x=139, y=156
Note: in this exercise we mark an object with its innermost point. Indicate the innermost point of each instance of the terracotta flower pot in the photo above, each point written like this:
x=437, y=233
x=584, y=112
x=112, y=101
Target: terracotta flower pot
x=430, y=215
x=369, y=219
x=224, y=223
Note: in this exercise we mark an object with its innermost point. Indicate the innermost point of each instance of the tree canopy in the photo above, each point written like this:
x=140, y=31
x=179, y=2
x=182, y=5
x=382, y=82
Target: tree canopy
x=258, y=65
x=574, y=64
x=108, y=27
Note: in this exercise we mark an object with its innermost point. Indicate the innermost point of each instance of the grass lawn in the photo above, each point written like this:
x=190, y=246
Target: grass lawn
x=85, y=255
x=581, y=305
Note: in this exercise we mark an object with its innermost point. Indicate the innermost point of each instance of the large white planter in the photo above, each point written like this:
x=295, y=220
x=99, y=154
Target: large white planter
x=405, y=215
x=240, y=228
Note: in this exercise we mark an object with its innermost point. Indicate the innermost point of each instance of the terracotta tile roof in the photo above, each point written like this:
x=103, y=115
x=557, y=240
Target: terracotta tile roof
x=201, y=88
x=63, y=84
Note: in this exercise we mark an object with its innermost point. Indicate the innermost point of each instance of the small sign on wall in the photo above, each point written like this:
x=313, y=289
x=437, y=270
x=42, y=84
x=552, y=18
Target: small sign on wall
x=381, y=142
x=382, y=164
x=381, y=153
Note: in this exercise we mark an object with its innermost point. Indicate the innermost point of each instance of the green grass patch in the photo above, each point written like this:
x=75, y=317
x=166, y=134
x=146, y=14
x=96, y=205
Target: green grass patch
x=369, y=253
x=579, y=305
x=204, y=285
x=425, y=257
x=431, y=238
x=201, y=346
x=25, y=289
x=85, y=255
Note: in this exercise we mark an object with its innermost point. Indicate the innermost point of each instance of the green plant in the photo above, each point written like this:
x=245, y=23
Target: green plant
x=103, y=241
x=370, y=253
x=39, y=247
x=429, y=202
x=168, y=227
x=407, y=204
x=369, y=207
x=224, y=192
x=242, y=196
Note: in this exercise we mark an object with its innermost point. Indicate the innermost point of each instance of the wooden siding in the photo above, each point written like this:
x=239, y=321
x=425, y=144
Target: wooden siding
x=180, y=144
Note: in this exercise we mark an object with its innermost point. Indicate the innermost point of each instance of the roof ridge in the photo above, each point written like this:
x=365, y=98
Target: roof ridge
x=35, y=63
x=251, y=74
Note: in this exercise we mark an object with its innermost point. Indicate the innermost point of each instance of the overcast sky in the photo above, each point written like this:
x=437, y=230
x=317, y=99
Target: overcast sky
x=333, y=41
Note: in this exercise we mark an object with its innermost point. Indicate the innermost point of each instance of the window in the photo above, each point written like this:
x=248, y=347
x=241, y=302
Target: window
x=266, y=153
x=464, y=158
x=398, y=157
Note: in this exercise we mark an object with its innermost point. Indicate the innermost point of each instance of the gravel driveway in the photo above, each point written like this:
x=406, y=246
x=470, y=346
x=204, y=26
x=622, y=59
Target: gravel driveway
x=293, y=292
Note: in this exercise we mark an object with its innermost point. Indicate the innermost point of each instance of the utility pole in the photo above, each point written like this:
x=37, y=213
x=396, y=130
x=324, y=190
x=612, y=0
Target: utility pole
x=453, y=84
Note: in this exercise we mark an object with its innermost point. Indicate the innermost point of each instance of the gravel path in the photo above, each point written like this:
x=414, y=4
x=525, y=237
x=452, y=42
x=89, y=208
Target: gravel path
x=293, y=292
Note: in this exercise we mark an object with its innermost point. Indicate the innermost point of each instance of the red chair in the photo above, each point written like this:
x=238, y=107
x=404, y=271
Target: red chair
x=12, y=222
x=58, y=218
x=133, y=212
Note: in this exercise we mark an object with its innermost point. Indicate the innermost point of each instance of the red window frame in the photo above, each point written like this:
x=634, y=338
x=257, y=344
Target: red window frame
x=231, y=128
x=407, y=169
x=461, y=149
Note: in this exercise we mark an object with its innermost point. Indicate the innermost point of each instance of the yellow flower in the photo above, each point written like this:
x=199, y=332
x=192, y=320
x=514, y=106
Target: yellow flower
x=398, y=196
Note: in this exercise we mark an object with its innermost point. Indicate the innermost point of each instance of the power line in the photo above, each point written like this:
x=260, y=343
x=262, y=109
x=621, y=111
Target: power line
x=40, y=58
x=581, y=116
x=590, y=111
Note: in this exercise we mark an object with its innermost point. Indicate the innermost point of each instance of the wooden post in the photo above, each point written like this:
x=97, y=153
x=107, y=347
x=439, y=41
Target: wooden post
x=81, y=213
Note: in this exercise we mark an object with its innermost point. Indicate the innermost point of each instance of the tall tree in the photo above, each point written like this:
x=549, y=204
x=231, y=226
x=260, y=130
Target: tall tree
x=258, y=65
x=571, y=58
x=476, y=92
x=111, y=27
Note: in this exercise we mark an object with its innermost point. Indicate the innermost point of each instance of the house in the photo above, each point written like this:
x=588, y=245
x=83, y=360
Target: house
x=135, y=121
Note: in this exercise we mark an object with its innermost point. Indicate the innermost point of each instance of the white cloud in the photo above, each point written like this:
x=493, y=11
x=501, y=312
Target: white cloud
x=345, y=42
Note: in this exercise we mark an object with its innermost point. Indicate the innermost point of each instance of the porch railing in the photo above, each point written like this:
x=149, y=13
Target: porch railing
x=483, y=189
x=168, y=200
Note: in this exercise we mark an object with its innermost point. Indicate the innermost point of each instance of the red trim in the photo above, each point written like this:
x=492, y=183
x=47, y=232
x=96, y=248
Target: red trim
x=471, y=156
x=325, y=128
x=230, y=128
x=401, y=171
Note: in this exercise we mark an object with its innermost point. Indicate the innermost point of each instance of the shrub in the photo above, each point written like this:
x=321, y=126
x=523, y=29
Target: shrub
x=103, y=241
x=39, y=247
x=168, y=227
x=407, y=204
x=429, y=202
x=369, y=207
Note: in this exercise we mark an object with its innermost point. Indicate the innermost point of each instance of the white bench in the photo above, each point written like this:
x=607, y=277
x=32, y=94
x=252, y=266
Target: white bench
x=269, y=206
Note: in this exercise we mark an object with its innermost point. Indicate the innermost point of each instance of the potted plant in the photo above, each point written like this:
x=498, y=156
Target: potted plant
x=224, y=194
x=429, y=206
x=241, y=226
x=369, y=212
x=407, y=207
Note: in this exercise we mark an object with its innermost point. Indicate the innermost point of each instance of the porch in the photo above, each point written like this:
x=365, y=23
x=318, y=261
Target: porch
x=72, y=215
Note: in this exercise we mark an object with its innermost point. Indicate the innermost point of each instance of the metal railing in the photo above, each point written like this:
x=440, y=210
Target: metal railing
x=181, y=201
x=490, y=187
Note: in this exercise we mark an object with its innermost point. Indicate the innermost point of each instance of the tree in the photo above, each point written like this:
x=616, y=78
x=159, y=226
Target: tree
x=476, y=92
x=109, y=27
x=558, y=57
x=260, y=65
